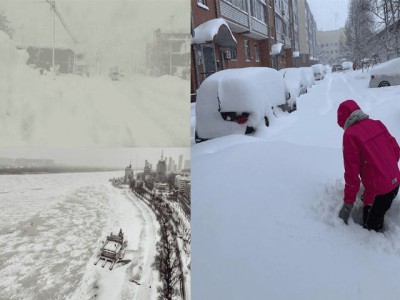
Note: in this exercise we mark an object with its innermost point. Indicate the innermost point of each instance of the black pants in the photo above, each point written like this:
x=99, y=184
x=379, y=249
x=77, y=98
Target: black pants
x=374, y=215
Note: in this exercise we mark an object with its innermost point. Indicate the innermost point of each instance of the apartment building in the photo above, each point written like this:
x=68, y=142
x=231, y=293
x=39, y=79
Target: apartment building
x=330, y=46
x=282, y=52
x=307, y=35
x=244, y=33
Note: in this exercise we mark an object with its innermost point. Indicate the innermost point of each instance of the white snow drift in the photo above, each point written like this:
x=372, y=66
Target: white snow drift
x=265, y=208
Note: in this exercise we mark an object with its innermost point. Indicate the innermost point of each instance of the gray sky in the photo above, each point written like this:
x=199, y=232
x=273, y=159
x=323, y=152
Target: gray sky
x=329, y=14
x=98, y=157
x=119, y=29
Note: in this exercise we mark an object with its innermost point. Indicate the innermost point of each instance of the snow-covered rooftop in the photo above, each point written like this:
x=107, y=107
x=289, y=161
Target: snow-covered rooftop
x=215, y=30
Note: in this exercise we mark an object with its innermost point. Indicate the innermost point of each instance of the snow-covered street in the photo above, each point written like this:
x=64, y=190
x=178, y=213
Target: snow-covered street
x=52, y=232
x=71, y=110
x=265, y=208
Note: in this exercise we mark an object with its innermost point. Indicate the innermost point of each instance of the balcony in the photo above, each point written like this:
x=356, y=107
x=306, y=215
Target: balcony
x=234, y=14
x=239, y=21
x=259, y=27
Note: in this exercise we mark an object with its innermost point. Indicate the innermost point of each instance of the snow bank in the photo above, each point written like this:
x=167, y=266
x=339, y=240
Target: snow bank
x=309, y=76
x=294, y=78
x=12, y=61
x=79, y=111
x=266, y=225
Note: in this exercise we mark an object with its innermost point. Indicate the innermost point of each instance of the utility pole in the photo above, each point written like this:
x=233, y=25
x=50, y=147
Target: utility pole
x=170, y=49
x=54, y=37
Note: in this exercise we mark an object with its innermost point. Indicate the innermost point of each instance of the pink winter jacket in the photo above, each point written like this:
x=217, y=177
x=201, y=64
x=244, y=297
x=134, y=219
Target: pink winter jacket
x=369, y=153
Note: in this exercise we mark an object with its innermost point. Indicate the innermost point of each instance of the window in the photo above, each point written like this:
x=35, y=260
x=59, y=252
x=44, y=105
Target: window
x=256, y=53
x=258, y=9
x=202, y=2
x=242, y=4
x=246, y=50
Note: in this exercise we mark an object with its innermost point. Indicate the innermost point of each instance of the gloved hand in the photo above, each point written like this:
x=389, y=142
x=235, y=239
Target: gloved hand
x=344, y=212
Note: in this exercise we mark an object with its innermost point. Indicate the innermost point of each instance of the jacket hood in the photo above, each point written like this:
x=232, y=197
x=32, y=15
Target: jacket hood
x=344, y=111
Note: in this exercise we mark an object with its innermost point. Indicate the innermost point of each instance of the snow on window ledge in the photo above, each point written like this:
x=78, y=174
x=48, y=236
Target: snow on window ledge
x=202, y=5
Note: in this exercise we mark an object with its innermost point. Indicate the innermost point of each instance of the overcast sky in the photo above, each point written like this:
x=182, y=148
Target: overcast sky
x=329, y=14
x=98, y=157
x=118, y=29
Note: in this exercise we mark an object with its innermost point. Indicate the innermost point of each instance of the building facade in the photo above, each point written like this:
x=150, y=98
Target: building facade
x=168, y=54
x=248, y=33
x=330, y=46
x=128, y=174
x=161, y=170
x=307, y=35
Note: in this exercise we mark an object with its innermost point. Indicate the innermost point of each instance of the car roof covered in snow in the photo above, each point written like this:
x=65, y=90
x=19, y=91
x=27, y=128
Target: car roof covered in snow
x=391, y=67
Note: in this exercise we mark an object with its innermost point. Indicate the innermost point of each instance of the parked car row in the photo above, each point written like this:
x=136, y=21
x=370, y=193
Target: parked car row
x=241, y=101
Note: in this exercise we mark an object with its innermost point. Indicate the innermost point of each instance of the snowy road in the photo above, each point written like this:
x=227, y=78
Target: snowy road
x=79, y=111
x=270, y=207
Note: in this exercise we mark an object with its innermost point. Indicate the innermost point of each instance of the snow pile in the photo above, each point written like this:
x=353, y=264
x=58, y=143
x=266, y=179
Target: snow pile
x=391, y=67
x=318, y=68
x=266, y=225
x=8, y=53
x=227, y=91
x=11, y=60
x=295, y=80
x=309, y=76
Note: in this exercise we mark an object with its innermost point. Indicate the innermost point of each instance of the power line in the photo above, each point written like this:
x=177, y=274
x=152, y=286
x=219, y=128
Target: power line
x=60, y=17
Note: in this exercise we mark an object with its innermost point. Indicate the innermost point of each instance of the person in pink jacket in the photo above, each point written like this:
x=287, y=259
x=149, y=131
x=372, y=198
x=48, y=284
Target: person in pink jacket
x=370, y=155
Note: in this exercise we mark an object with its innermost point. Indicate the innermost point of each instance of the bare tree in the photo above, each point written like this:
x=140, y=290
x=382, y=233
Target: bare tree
x=167, y=262
x=386, y=14
x=359, y=28
x=5, y=25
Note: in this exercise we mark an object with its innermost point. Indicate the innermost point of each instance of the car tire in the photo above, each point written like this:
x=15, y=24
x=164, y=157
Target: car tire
x=384, y=83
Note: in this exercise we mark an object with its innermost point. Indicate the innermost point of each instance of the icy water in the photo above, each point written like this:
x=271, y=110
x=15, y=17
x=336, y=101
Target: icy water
x=49, y=228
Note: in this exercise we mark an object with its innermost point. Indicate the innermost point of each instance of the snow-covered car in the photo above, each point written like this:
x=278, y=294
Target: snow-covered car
x=386, y=74
x=347, y=65
x=238, y=101
x=309, y=72
x=296, y=80
x=318, y=71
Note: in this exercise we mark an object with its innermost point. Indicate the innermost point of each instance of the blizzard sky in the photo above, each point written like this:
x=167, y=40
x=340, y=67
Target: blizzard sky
x=98, y=157
x=329, y=15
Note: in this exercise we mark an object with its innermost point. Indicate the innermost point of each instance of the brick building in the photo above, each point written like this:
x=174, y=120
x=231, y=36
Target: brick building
x=243, y=33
